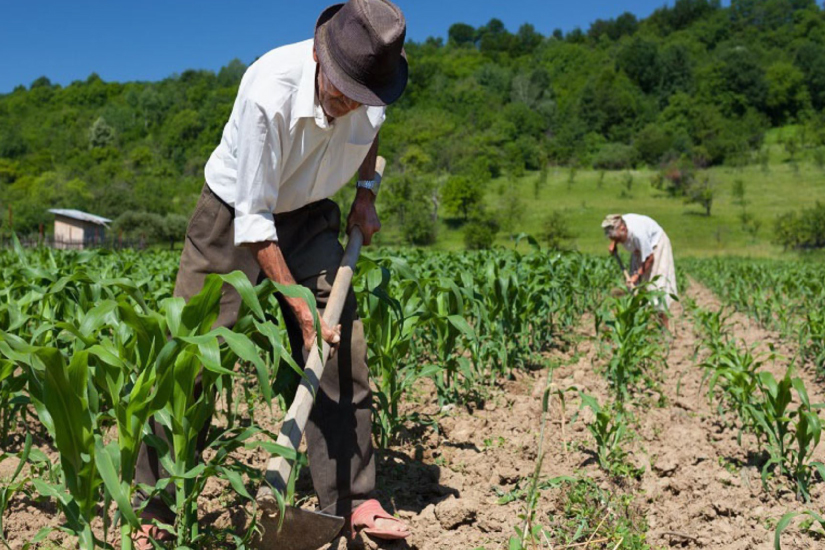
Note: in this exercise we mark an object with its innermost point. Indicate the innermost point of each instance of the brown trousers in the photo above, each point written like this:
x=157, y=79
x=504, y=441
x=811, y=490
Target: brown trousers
x=338, y=433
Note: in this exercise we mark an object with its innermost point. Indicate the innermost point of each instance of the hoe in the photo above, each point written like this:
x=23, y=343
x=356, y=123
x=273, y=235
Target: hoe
x=301, y=529
x=619, y=292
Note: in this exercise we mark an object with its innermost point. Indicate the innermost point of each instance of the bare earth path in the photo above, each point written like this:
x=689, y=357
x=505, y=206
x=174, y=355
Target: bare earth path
x=700, y=489
x=704, y=485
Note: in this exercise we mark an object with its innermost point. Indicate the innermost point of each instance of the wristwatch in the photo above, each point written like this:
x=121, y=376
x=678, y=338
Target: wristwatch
x=372, y=184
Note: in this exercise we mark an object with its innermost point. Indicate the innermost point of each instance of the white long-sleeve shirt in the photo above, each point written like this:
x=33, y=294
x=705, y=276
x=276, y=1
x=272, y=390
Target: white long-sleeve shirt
x=278, y=151
x=643, y=234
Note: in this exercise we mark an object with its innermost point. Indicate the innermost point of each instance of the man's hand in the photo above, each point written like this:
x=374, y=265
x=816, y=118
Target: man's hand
x=363, y=215
x=271, y=260
x=331, y=335
x=611, y=248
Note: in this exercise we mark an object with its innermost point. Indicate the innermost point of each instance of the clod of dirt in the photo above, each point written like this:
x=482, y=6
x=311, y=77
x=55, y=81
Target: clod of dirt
x=665, y=466
x=455, y=512
x=7, y=467
x=427, y=514
x=506, y=475
x=462, y=431
x=726, y=509
x=725, y=478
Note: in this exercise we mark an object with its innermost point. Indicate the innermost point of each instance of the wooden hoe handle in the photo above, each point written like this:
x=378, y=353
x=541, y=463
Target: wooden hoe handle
x=292, y=430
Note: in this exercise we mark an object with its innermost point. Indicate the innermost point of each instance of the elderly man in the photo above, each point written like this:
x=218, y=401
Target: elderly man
x=651, y=257
x=306, y=117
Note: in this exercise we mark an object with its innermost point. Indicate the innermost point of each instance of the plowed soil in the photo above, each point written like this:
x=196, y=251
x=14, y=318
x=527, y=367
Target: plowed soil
x=699, y=488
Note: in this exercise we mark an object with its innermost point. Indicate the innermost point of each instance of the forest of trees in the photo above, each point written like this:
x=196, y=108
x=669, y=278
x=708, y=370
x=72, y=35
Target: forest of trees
x=695, y=82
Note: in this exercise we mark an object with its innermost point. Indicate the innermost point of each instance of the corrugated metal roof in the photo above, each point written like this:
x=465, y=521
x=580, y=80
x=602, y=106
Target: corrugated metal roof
x=82, y=216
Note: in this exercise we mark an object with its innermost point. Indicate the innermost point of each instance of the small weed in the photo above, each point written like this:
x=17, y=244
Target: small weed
x=497, y=443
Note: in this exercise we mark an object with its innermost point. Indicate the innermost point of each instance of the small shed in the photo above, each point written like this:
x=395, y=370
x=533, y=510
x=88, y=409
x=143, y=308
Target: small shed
x=78, y=230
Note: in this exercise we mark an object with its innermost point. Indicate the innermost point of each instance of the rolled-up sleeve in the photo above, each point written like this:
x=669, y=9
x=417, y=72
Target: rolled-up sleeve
x=259, y=175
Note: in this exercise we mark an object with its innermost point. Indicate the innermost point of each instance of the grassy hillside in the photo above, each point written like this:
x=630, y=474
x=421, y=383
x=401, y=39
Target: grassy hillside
x=770, y=190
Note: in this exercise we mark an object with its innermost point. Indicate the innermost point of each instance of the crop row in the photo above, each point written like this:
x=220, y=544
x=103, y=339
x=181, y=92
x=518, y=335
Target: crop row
x=788, y=296
x=778, y=413
x=92, y=344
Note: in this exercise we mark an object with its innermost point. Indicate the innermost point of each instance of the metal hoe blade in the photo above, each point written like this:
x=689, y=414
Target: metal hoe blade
x=301, y=530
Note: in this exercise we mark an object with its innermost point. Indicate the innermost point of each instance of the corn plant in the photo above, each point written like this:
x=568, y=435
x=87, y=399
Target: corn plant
x=391, y=325
x=764, y=407
x=714, y=328
x=732, y=376
x=636, y=352
x=790, y=435
x=448, y=329
x=121, y=361
x=812, y=338
x=608, y=430
x=785, y=521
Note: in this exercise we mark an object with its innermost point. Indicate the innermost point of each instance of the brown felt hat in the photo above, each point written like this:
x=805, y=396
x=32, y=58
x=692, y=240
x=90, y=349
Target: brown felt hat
x=360, y=47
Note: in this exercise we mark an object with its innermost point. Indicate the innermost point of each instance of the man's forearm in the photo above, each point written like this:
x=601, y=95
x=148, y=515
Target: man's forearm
x=367, y=169
x=269, y=256
x=647, y=265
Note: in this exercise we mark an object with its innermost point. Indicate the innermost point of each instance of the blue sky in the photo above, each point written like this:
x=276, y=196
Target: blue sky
x=67, y=40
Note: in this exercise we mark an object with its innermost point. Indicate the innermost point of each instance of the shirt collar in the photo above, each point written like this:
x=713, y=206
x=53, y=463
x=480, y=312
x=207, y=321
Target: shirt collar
x=306, y=103
x=307, y=106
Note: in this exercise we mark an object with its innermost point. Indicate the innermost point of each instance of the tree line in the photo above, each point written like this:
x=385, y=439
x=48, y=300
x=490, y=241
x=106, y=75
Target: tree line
x=694, y=83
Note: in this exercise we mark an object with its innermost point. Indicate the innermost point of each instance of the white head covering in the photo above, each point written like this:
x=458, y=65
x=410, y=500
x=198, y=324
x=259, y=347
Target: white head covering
x=611, y=223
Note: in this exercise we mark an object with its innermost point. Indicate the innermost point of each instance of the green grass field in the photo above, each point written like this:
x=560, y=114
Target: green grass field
x=770, y=190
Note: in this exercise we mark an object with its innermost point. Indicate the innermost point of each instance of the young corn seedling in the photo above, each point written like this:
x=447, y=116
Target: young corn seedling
x=785, y=521
x=812, y=337
x=200, y=364
x=636, y=353
x=782, y=427
x=714, y=328
x=733, y=381
x=391, y=325
x=608, y=430
x=448, y=332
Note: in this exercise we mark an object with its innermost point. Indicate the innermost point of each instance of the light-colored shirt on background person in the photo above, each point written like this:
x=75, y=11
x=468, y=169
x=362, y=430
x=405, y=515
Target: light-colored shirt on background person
x=643, y=234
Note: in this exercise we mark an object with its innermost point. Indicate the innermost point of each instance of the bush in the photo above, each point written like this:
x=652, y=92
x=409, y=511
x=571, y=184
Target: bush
x=676, y=177
x=701, y=191
x=555, y=231
x=151, y=227
x=802, y=231
x=417, y=225
x=460, y=195
x=616, y=156
x=174, y=227
x=480, y=234
x=511, y=212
